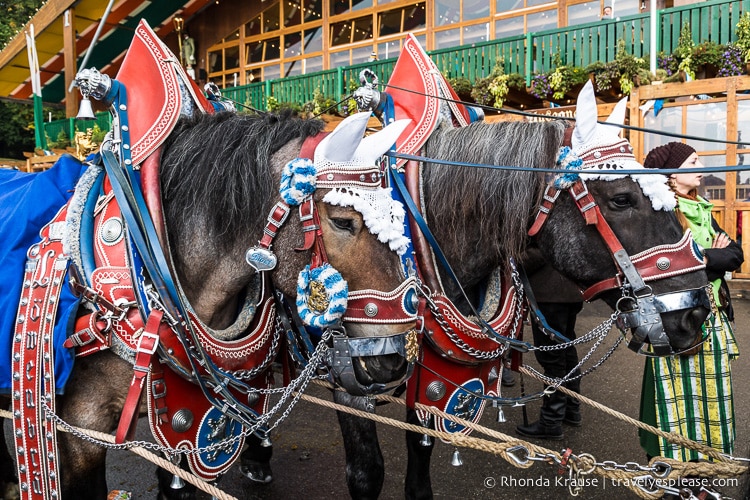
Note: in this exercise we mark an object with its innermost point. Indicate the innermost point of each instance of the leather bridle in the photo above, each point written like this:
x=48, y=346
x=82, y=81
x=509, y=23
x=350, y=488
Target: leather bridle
x=639, y=309
x=398, y=306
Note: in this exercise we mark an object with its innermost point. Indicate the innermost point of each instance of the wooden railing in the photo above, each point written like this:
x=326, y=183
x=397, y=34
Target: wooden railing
x=579, y=45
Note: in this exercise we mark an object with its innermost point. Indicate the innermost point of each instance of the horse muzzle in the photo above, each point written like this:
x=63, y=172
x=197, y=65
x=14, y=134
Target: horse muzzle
x=642, y=315
x=350, y=354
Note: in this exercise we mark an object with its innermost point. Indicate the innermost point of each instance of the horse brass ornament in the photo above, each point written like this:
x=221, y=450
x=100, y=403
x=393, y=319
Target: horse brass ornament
x=318, y=300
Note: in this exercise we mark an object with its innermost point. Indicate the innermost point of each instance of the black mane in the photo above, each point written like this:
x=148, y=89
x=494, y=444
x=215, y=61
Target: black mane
x=216, y=173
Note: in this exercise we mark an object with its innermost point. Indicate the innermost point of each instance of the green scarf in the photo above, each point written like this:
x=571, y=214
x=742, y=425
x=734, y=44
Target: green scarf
x=698, y=214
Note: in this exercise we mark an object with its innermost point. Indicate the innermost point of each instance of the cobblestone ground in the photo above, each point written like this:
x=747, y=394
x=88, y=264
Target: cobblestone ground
x=308, y=459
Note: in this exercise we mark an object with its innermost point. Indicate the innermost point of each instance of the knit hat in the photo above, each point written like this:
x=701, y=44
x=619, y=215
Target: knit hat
x=670, y=155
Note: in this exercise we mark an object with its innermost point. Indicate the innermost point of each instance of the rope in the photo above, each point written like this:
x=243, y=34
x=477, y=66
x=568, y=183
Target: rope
x=161, y=462
x=670, y=436
x=583, y=464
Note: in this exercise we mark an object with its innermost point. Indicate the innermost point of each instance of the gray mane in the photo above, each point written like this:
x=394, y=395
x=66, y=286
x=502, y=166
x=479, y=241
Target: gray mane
x=482, y=215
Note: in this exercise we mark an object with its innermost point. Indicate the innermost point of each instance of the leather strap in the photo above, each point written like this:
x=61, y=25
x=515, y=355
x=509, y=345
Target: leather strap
x=33, y=365
x=147, y=344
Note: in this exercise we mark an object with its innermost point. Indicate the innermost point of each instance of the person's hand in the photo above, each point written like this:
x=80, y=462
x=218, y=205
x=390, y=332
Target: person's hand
x=721, y=241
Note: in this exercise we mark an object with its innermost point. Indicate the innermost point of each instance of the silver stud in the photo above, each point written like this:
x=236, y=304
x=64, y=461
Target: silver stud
x=329, y=177
x=123, y=107
x=663, y=263
x=21, y=318
x=597, y=154
x=622, y=149
x=126, y=146
x=128, y=161
x=16, y=376
x=24, y=301
x=371, y=310
x=20, y=450
x=24, y=486
x=124, y=128
x=16, y=356
x=435, y=391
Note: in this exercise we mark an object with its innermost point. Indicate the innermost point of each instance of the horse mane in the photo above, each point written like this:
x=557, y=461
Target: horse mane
x=216, y=172
x=483, y=214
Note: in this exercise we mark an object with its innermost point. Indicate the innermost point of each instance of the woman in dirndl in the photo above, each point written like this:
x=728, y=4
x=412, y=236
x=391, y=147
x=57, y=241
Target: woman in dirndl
x=691, y=393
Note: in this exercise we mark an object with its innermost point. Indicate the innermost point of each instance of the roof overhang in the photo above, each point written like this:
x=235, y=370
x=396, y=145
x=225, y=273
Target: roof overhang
x=107, y=54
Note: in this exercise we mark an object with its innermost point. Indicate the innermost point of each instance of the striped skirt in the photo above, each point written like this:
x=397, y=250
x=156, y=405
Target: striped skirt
x=692, y=395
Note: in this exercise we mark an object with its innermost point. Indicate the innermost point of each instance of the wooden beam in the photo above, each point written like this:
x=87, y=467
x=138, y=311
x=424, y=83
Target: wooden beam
x=47, y=15
x=69, y=51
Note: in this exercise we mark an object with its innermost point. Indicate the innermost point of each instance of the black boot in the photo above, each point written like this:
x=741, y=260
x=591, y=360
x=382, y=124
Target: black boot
x=572, y=412
x=551, y=416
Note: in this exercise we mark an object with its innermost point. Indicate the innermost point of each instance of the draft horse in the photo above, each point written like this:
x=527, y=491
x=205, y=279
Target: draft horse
x=182, y=300
x=481, y=217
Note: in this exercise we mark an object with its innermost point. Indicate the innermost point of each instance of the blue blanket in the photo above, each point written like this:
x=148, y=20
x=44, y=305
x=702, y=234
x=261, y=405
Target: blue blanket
x=27, y=202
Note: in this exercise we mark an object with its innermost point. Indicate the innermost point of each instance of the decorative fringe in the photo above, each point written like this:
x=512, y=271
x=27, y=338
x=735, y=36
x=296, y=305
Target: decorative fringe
x=297, y=181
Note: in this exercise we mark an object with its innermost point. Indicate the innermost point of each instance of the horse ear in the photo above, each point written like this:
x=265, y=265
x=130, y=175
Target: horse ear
x=617, y=117
x=373, y=146
x=341, y=144
x=586, y=116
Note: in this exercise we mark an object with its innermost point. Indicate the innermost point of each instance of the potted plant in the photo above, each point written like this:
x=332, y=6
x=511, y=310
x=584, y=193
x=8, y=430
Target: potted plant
x=731, y=63
x=706, y=59
x=742, y=30
x=492, y=90
x=462, y=87
x=684, y=50
x=619, y=76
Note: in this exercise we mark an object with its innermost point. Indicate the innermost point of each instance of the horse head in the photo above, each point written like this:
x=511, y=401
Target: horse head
x=618, y=237
x=360, y=237
x=336, y=255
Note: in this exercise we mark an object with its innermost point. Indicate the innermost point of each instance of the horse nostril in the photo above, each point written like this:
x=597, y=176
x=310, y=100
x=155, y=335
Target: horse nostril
x=693, y=319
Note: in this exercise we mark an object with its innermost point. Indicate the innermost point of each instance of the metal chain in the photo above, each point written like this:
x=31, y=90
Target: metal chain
x=295, y=388
x=472, y=351
x=557, y=382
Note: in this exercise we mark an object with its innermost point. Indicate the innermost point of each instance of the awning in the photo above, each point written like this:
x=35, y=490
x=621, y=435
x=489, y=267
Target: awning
x=108, y=52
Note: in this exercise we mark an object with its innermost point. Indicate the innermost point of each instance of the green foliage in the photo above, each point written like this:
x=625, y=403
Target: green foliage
x=492, y=90
x=563, y=78
x=742, y=30
x=462, y=86
x=61, y=142
x=625, y=69
x=14, y=16
x=97, y=134
x=707, y=53
x=16, y=129
x=684, y=50
x=320, y=104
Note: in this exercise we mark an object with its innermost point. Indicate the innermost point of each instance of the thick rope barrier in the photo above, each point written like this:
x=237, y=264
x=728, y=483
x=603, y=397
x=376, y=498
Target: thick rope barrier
x=155, y=459
x=582, y=463
x=672, y=437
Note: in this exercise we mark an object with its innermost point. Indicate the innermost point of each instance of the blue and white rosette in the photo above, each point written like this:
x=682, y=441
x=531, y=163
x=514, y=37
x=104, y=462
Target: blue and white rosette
x=298, y=181
x=337, y=292
x=568, y=160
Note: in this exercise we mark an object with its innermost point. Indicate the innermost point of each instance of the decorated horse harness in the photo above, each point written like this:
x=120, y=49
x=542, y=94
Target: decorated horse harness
x=112, y=231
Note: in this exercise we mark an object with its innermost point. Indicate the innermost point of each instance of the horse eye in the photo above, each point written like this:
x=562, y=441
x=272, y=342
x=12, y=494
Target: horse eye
x=344, y=224
x=620, y=201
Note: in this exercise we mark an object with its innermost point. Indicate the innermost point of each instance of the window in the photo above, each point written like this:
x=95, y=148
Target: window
x=354, y=30
x=401, y=20
x=588, y=12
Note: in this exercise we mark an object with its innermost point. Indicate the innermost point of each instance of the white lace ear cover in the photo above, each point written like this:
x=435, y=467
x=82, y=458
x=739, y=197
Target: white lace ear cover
x=602, y=150
x=383, y=216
